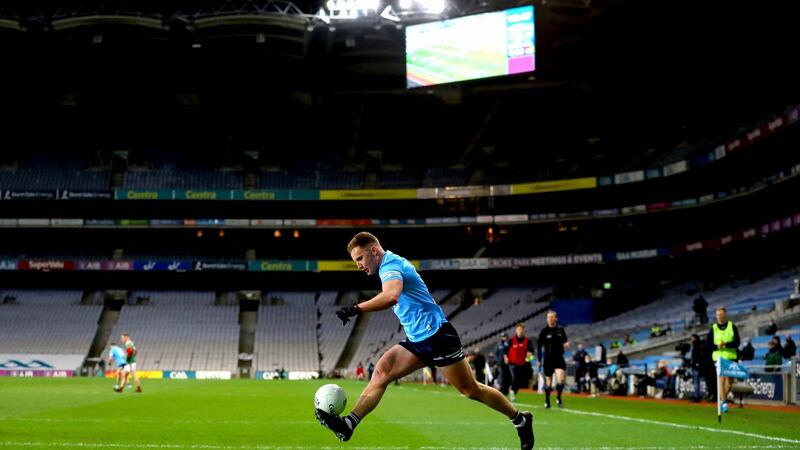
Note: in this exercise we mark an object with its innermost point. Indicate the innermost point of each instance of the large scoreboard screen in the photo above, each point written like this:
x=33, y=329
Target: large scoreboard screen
x=467, y=48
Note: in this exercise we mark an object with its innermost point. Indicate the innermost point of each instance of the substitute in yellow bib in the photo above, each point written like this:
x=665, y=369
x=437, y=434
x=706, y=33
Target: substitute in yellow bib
x=723, y=340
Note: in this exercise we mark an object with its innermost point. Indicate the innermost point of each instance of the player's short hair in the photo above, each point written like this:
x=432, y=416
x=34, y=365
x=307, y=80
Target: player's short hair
x=113, y=344
x=552, y=311
x=722, y=308
x=362, y=240
x=519, y=324
x=125, y=333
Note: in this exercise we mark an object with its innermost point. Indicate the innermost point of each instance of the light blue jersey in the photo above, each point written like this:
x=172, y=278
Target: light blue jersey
x=418, y=312
x=118, y=354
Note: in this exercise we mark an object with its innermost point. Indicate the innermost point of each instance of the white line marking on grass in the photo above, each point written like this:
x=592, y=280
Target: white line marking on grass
x=113, y=420
x=656, y=422
x=677, y=425
x=498, y=422
x=184, y=446
x=270, y=447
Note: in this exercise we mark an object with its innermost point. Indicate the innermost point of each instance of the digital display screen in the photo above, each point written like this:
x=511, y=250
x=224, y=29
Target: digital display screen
x=472, y=47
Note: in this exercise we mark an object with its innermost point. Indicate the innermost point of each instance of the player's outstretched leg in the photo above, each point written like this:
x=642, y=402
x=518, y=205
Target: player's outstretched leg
x=462, y=378
x=396, y=363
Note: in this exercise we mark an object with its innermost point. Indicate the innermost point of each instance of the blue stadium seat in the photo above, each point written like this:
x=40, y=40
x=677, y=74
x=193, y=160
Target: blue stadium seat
x=761, y=339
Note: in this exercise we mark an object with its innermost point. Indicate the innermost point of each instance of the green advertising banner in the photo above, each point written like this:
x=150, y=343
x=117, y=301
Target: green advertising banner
x=130, y=194
x=271, y=195
x=203, y=194
x=282, y=266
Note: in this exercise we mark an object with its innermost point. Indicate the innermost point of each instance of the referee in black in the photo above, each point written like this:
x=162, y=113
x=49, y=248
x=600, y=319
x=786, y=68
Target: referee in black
x=553, y=339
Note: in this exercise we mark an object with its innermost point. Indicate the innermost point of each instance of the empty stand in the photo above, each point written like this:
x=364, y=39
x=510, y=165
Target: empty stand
x=181, y=331
x=47, y=322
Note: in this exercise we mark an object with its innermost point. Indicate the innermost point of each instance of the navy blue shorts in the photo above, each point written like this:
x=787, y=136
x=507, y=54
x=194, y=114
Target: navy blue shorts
x=440, y=350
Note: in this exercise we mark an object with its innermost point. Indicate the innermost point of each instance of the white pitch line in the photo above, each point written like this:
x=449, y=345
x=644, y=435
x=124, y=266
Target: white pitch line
x=251, y=422
x=183, y=446
x=678, y=425
x=139, y=421
x=268, y=447
x=656, y=422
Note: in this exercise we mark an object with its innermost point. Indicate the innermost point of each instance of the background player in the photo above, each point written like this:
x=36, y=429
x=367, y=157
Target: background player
x=117, y=356
x=130, y=354
x=431, y=340
x=553, y=339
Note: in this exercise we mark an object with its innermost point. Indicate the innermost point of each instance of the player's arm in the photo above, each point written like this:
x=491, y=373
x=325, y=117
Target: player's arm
x=387, y=298
x=566, y=341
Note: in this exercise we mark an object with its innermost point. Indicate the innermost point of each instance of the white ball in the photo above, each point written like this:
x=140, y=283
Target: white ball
x=331, y=399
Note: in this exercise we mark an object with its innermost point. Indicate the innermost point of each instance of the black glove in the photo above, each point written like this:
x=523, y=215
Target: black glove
x=345, y=313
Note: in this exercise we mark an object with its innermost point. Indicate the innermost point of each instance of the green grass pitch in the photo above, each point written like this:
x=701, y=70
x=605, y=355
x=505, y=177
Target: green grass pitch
x=249, y=414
